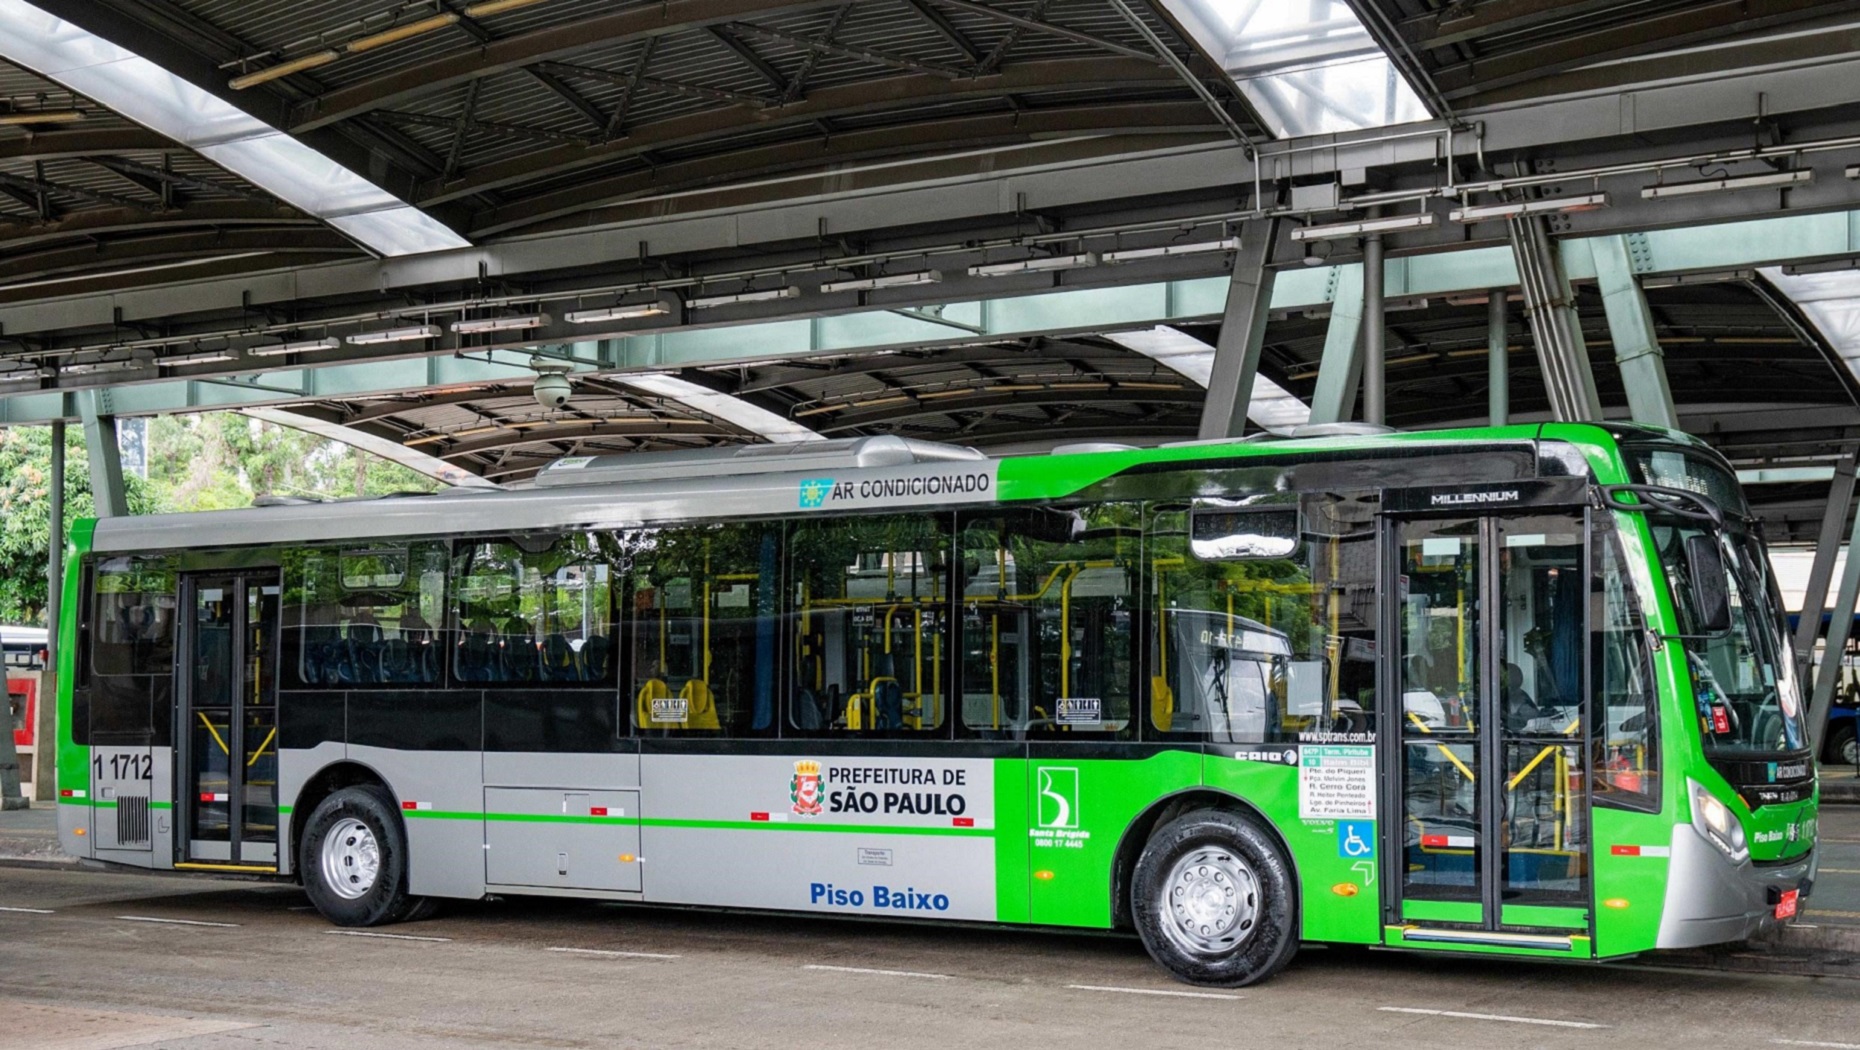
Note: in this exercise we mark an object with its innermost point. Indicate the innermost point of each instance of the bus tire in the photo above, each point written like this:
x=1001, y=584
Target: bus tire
x=1215, y=901
x=354, y=860
x=1842, y=749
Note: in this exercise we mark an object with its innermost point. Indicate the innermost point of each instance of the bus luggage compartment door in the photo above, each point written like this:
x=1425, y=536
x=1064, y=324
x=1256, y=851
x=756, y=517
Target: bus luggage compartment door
x=572, y=838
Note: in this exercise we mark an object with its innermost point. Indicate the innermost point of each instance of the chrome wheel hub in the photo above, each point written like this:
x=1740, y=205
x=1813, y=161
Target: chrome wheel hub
x=351, y=858
x=1210, y=901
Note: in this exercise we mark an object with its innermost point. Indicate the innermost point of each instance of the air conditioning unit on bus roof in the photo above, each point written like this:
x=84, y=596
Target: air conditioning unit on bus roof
x=886, y=450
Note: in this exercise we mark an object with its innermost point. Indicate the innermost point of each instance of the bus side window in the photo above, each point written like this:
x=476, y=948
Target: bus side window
x=870, y=646
x=528, y=616
x=705, y=628
x=1264, y=649
x=1049, y=605
x=132, y=654
x=364, y=616
x=1626, y=745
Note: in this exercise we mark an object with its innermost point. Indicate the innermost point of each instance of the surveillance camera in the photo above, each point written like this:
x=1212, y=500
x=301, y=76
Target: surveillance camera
x=552, y=390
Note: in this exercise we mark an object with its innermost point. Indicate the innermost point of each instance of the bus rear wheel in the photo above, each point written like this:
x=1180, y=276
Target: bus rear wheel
x=1214, y=900
x=354, y=860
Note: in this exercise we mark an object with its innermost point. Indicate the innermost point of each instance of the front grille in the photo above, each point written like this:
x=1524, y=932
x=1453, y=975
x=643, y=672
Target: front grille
x=132, y=819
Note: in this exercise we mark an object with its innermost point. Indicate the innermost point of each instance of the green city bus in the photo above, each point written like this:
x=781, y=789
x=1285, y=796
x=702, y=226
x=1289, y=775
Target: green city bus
x=1518, y=690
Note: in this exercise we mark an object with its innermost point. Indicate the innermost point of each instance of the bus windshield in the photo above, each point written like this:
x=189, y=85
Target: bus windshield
x=1745, y=689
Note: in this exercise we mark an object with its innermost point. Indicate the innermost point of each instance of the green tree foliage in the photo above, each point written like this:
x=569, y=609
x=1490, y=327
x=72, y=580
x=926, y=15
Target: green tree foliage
x=213, y=461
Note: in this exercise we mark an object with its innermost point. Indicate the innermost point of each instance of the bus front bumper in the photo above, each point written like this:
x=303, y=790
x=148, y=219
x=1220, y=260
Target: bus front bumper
x=1711, y=899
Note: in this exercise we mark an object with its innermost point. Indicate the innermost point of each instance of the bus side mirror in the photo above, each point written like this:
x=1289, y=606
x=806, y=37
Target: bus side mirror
x=1709, y=594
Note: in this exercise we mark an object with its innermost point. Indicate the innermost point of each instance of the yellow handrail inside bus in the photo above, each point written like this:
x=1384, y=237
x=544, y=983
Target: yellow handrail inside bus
x=216, y=733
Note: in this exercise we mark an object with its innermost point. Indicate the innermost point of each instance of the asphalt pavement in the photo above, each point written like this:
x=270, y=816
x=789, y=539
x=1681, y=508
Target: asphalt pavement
x=93, y=960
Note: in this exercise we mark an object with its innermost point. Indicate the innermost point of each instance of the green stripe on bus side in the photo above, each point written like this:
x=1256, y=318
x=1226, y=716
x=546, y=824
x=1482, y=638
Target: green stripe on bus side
x=716, y=825
x=107, y=803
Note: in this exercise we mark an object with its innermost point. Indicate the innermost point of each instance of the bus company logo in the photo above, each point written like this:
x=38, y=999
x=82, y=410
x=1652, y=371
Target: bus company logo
x=804, y=788
x=1058, y=797
x=814, y=492
x=1473, y=499
x=1287, y=757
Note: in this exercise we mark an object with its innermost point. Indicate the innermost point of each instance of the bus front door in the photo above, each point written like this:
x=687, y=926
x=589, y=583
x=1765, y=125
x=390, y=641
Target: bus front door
x=227, y=739
x=1488, y=845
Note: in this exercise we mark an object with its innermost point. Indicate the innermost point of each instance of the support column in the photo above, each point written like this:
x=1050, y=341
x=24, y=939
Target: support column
x=1375, y=334
x=1498, y=359
x=1243, y=332
x=1340, y=370
x=1840, y=626
x=45, y=765
x=1550, y=307
x=1637, y=345
x=1821, y=570
x=106, y=458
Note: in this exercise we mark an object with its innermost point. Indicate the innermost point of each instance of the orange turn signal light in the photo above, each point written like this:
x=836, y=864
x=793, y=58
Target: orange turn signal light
x=1615, y=902
x=1045, y=876
x=1344, y=889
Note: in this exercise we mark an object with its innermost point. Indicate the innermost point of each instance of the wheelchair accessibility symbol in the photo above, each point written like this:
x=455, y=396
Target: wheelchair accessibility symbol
x=1356, y=839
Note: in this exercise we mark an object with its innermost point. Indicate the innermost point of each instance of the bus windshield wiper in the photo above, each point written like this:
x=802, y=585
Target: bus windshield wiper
x=1666, y=500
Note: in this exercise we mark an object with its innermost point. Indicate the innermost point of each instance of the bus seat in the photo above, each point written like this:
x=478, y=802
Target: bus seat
x=1162, y=703
x=807, y=714
x=522, y=660
x=477, y=652
x=559, y=662
x=650, y=690
x=397, y=661
x=702, y=712
x=887, y=704
x=595, y=654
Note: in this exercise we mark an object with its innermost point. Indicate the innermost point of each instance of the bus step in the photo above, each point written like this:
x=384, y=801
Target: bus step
x=1552, y=942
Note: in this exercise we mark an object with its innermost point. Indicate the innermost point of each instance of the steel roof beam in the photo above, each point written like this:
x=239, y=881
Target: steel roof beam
x=99, y=222
x=156, y=248
x=870, y=142
x=392, y=89
x=1550, y=54
x=63, y=145
x=385, y=447
x=1041, y=24
x=825, y=46
x=829, y=102
x=568, y=95
x=946, y=30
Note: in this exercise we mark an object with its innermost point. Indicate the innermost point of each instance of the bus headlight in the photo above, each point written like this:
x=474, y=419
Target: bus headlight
x=1714, y=820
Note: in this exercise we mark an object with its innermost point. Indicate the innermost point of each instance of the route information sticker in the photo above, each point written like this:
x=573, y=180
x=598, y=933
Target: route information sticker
x=1336, y=782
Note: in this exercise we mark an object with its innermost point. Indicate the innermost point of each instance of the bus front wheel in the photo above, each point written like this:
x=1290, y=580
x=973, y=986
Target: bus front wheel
x=354, y=860
x=1214, y=900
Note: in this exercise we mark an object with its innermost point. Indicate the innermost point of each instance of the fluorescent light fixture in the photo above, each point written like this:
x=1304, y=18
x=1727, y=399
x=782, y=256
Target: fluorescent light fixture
x=764, y=296
x=396, y=335
x=889, y=280
x=282, y=70
x=619, y=313
x=1792, y=177
x=497, y=7
x=1513, y=209
x=142, y=91
x=205, y=357
x=293, y=348
x=499, y=324
x=399, y=33
x=1387, y=224
x=733, y=410
x=42, y=116
x=1191, y=248
x=1038, y=264
x=93, y=367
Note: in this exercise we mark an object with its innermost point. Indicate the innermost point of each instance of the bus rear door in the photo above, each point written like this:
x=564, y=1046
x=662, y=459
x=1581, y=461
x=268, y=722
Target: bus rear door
x=1486, y=841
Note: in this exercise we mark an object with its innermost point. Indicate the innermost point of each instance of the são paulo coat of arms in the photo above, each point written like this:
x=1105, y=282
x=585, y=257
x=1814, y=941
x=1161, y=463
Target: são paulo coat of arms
x=804, y=789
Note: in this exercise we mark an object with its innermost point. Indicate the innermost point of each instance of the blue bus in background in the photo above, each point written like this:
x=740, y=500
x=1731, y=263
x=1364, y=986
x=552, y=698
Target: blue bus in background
x=1841, y=745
